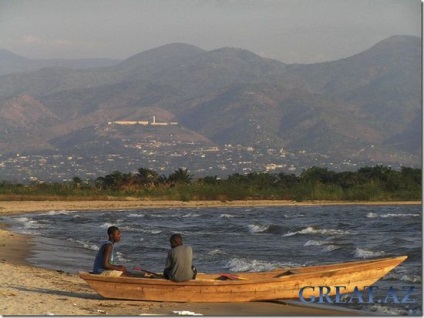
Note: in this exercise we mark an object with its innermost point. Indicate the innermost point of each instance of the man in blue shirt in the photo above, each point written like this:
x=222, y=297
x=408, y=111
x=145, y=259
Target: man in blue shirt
x=103, y=263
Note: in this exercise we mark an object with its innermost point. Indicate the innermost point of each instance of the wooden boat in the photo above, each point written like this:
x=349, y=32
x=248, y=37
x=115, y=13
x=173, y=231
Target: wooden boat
x=282, y=283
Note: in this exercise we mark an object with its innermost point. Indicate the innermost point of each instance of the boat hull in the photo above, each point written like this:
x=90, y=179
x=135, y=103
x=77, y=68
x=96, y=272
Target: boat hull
x=276, y=284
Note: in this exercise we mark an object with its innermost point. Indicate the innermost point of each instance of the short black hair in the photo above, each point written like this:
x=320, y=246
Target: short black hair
x=176, y=238
x=112, y=229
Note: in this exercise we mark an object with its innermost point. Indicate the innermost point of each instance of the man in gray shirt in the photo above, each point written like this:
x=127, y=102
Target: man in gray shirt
x=178, y=267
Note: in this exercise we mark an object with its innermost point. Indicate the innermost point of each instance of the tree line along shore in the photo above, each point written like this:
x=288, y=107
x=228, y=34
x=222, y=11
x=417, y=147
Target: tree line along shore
x=378, y=183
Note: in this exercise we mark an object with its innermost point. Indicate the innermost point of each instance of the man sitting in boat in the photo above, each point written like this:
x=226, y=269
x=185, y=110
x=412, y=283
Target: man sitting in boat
x=179, y=266
x=103, y=263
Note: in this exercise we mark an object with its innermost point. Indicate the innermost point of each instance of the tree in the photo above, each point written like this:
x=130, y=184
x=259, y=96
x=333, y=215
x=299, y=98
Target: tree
x=180, y=176
x=317, y=174
x=210, y=179
x=287, y=180
x=76, y=182
x=147, y=177
x=113, y=181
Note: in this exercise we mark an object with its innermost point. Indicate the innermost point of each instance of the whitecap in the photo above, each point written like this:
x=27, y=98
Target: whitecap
x=315, y=243
x=133, y=215
x=106, y=225
x=150, y=231
x=365, y=253
x=372, y=215
x=191, y=215
x=216, y=251
x=53, y=212
x=395, y=215
x=243, y=265
x=386, y=310
x=407, y=278
x=31, y=224
x=330, y=248
x=87, y=245
x=226, y=216
x=312, y=230
x=120, y=257
x=22, y=219
x=255, y=228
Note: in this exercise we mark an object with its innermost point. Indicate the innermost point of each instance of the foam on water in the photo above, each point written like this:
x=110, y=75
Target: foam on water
x=387, y=310
x=406, y=278
x=396, y=215
x=250, y=265
x=133, y=215
x=312, y=230
x=228, y=216
x=106, y=225
x=120, y=257
x=191, y=215
x=217, y=251
x=366, y=253
x=372, y=215
x=84, y=244
x=63, y=212
x=315, y=243
x=330, y=248
x=256, y=228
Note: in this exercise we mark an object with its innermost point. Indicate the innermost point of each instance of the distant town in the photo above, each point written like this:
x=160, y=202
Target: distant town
x=163, y=157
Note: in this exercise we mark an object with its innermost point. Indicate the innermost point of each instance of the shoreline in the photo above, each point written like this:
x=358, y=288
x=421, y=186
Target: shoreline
x=22, y=207
x=31, y=290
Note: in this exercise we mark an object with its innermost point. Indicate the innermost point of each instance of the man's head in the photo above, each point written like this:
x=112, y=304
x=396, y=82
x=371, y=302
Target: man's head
x=176, y=240
x=114, y=234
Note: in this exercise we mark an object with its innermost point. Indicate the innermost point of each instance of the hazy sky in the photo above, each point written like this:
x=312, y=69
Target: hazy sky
x=293, y=31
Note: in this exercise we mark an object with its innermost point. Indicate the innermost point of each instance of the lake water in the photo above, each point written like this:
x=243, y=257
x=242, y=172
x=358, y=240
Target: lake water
x=241, y=239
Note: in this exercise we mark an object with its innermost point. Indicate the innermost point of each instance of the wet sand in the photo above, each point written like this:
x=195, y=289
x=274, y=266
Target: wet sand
x=30, y=290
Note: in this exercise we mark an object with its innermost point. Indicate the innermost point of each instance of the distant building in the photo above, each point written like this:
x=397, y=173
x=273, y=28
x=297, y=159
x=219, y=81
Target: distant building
x=142, y=122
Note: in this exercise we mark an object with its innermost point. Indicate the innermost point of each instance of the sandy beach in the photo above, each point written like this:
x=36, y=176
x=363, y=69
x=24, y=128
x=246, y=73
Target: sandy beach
x=29, y=290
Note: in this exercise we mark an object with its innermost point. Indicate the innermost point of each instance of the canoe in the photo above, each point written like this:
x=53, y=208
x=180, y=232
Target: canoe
x=281, y=283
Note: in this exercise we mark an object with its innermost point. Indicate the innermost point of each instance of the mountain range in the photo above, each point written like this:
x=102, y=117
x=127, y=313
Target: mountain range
x=367, y=106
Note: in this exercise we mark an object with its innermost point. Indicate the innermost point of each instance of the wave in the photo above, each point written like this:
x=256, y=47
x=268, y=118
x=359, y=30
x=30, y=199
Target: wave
x=53, y=212
x=228, y=216
x=27, y=224
x=396, y=215
x=105, y=225
x=315, y=243
x=330, y=248
x=404, y=277
x=152, y=231
x=372, y=215
x=191, y=215
x=169, y=216
x=326, y=245
x=258, y=228
x=247, y=265
x=134, y=215
x=84, y=244
x=120, y=257
x=255, y=228
x=365, y=253
x=217, y=251
x=312, y=230
x=389, y=311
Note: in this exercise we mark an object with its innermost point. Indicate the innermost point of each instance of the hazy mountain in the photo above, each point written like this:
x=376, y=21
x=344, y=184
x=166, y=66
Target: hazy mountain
x=364, y=106
x=13, y=63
